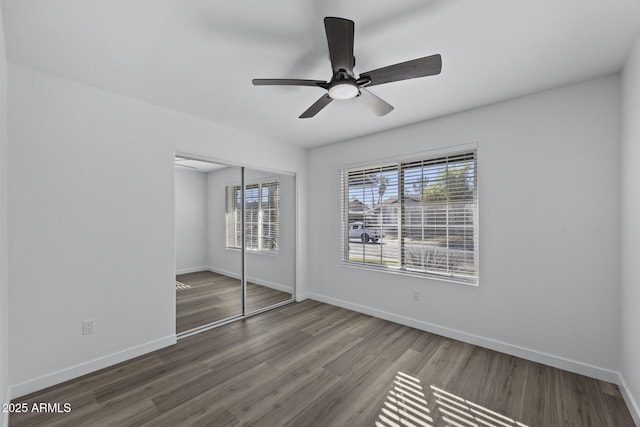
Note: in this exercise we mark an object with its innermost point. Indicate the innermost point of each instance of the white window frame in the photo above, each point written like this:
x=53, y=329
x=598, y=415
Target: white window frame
x=451, y=221
x=262, y=216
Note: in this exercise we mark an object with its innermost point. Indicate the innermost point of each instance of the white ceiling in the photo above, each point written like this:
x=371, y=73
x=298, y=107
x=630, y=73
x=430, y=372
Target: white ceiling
x=199, y=56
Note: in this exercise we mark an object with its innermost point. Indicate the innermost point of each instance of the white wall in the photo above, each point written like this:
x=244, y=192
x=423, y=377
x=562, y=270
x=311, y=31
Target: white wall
x=276, y=271
x=91, y=221
x=191, y=220
x=220, y=259
x=4, y=285
x=630, y=233
x=273, y=270
x=549, y=247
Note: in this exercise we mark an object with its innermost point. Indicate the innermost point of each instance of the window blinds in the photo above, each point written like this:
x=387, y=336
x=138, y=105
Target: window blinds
x=261, y=214
x=424, y=210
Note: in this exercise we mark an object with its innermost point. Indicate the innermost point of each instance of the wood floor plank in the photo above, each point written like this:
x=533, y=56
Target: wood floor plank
x=330, y=322
x=292, y=399
x=366, y=406
x=204, y=297
x=203, y=401
x=150, y=384
x=338, y=398
x=312, y=364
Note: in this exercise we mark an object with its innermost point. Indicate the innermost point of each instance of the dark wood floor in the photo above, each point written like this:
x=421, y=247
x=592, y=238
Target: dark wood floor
x=205, y=297
x=312, y=364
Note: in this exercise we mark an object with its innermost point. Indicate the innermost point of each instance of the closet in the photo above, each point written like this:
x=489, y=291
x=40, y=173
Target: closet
x=235, y=242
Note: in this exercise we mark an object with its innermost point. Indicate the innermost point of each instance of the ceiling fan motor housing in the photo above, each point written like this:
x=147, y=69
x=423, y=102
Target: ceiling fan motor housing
x=343, y=86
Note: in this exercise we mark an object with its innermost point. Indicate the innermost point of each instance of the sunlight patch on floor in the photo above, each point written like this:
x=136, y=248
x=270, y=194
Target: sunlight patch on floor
x=181, y=286
x=460, y=412
x=406, y=406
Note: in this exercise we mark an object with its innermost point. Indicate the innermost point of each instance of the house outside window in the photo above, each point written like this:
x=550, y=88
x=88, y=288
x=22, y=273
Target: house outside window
x=417, y=216
x=261, y=213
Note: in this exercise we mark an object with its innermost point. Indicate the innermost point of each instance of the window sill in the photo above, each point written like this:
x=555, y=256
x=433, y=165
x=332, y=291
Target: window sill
x=255, y=251
x=409, y=273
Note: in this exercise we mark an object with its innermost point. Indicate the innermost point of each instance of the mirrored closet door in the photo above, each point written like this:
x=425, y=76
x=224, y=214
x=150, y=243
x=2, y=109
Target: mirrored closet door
x=270, y=218
x=208, y=277
x=235, y=242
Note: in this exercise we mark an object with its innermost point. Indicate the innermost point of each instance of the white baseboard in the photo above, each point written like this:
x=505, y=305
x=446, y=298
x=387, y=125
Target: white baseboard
x=191, y=270
x=631, y=402
x=514, y=350
x=302, y=297
x=257, y=281
x=78, y=370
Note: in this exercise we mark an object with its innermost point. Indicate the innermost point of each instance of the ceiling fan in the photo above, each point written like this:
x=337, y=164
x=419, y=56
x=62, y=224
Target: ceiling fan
x=344, y=84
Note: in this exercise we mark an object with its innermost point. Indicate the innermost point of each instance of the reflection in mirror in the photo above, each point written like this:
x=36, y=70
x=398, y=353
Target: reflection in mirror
x=208, y=285
x=269, y=238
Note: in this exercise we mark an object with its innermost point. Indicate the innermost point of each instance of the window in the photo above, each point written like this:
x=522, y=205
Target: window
x=418, y=216
x=261, y=213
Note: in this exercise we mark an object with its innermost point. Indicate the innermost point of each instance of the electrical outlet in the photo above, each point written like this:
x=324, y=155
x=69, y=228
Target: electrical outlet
x=415, y=295
x=88, y=327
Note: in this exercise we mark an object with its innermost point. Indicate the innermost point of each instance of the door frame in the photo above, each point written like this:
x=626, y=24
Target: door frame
x=244, y=314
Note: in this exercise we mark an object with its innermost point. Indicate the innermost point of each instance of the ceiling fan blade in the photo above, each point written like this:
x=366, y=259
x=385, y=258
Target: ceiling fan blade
x=379, y=106
x=316, y=107
x=421, y=67
x=340, y=40
x=289, y=82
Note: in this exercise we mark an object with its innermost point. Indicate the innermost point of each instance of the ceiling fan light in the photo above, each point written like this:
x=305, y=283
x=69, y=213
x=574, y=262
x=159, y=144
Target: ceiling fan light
x=343, y=91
